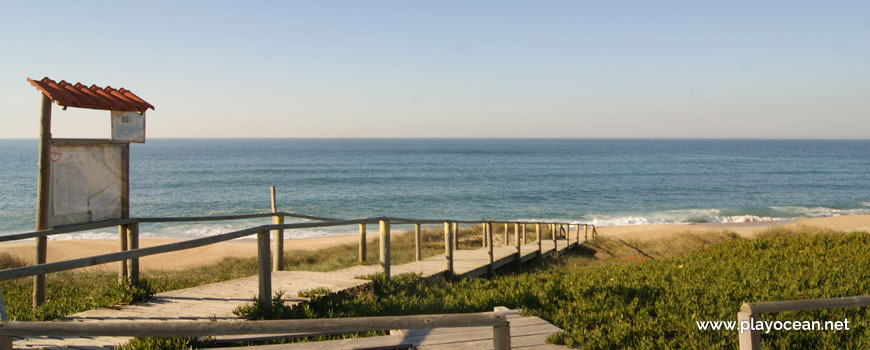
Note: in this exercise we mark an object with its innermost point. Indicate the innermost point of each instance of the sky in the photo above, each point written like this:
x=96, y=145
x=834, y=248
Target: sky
x=573, y=69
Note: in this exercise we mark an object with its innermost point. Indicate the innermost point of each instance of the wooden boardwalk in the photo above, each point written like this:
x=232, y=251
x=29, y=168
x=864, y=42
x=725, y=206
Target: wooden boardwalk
x=527, y=333
x=217, y=301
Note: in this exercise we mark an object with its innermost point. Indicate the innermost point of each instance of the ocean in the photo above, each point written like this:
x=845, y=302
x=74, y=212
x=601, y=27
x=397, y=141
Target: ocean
x=599, y=181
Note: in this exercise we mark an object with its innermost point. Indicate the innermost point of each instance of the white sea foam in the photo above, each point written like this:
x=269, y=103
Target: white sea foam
x=814, y=212
x=685, y=216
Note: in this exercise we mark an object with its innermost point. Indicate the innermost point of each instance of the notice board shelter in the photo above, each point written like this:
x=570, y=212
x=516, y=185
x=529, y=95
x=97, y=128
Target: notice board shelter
x=84, y=180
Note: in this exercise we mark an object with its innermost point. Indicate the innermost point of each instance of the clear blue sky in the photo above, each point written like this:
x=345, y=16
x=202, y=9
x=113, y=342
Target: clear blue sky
x=448, y=69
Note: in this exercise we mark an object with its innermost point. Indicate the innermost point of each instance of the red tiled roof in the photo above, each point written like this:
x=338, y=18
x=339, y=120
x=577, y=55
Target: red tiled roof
x=93, y=97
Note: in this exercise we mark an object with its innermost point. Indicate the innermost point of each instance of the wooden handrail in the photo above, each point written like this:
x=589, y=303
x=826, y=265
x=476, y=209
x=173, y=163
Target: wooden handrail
x=159, y=249
x=800, y=305
x=499, y=322
x=117, y=222
x=750, y=339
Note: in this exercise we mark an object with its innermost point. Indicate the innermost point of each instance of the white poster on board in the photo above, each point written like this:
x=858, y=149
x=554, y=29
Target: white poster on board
x=70, y=188
x=128, y=126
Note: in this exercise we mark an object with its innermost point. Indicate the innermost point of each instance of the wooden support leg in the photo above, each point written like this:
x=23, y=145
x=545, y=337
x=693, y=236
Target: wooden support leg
x=538, y=236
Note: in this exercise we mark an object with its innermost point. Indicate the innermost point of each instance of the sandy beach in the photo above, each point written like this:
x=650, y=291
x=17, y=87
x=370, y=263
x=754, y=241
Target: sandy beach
x=60, y=250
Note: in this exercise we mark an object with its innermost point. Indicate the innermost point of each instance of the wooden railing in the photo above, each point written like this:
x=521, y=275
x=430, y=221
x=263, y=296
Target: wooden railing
x=130, y=253
x=268, y=259
x=751, y=339
x=498, y=321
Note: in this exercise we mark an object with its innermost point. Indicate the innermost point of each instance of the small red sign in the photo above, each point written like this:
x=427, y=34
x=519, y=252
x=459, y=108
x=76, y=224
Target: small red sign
x=54, y=154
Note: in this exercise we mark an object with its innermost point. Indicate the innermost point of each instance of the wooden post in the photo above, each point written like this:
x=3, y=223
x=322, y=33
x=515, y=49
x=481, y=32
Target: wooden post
x=277, y=235
x=362, y=243
x=448, y=247
x=385, y=248
x=418, y=250
x=455, y=236
x=43, y=187
x=577, y=234
x=491, y=267
x=122, y=265
x=483, y=231
x=555, y=235
x=264, y=269
x=538, y=235
x=6, y=340
x=585, y=233
x=748, y=339
x=501, y=337
x=525, y=240
x=517, y=242
x=506, y=234
x=125, y=209
x=133, y=243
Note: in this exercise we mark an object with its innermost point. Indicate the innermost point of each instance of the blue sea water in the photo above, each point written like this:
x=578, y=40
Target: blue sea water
x=606, y=182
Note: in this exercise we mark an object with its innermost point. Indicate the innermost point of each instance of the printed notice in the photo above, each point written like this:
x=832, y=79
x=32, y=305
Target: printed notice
x=69, y=190
x=128, y=126
x=106, y=204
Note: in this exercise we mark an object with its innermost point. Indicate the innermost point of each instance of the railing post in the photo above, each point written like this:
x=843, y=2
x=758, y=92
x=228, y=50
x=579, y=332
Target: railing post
x=483, y=232
x=585, y=232
x=264, y=269
x=448, y=247
x=506, y=244
x=491, y=267
x=362, y=243
x=748, y=339
x=525, y=240
x=456, y=228
x=577, y=236
x=501, y=335
x=278, y=255
x=538, y=235
x=133, y=243
x=555, y=234
x=517, y=242
x=385, y=248
x=418, y=249
x=5, y=341
x=122, y=265
x=39, y=280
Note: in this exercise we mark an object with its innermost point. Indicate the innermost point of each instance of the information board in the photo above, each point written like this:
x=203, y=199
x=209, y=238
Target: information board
x=128, y=127
x=85, y=183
